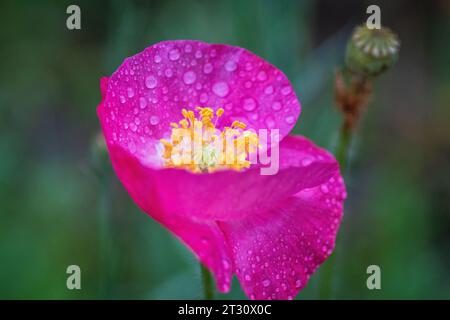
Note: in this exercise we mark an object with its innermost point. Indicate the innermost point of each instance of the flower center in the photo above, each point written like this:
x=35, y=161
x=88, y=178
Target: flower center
x=197, y=145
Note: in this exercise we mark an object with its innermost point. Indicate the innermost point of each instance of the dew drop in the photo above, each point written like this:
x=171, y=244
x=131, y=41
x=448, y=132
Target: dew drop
x=249, y=104
x=270, y=122
x=306, y=162
x=324, y=188
x=174, y=54
x=207, y=68
x=247, y=277
x=221, y=89
x=268, y=90
x=286, y=90
x=189, y=77
x=262, y=75
x=130, y=92
x=188, y=48
x=276, y=106
x=122, y=99
x=142, y=102
x=157, y=58
x=198, y=54
x=266, y=283
x=290, y=120
x=154, y=120
x=230, y=66
x=298, y=283
x=203, y=97
x=151, y=82
x=132, y=147
x=168, y=73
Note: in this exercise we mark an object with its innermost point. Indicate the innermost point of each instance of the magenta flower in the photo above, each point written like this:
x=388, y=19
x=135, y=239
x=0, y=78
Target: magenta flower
x=272, y=231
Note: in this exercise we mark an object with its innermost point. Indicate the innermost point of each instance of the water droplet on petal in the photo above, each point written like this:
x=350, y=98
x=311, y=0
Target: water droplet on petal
x=290, y=120
x=207, y=68
x=324, y=188
x=157, y=58
x=168, y=73
x=122, y=99
x=151, y=82
x=189, y=77
x=198, y=54
x=203, y=97
x=142, y=102
x=221, y=88
x=130, y=92
x=262, y=75
x=270, y=122
x=249, y=104
x=266, y=283
x=306, y=162
x=298, y=283
x=268, y=90
x=154, y=120
x=230, y=66
x=286, y=90
x=247, y=277
x=276, y=106
x=188, y=48
x=174, y=54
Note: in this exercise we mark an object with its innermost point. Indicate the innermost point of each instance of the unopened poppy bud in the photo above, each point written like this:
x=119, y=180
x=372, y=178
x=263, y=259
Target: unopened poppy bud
x=372, y=51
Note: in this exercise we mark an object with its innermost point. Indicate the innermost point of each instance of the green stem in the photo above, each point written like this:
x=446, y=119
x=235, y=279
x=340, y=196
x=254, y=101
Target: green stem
x=105, y=239
x=207, y=283
x=342, y=151
x=327, y=270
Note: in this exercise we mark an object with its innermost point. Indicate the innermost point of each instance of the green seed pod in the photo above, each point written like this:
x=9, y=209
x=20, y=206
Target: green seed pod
x=372, y=51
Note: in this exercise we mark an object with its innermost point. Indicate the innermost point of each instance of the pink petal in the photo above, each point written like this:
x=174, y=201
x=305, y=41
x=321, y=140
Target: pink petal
x=189, y=204
x=223, y=195
x=275, y=253
x=148, y=91
x=204, y=238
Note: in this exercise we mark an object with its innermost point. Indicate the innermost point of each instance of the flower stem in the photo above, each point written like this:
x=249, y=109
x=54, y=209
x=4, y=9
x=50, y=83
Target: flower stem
x=207, y=283
x=342, y=150
x=326, y=276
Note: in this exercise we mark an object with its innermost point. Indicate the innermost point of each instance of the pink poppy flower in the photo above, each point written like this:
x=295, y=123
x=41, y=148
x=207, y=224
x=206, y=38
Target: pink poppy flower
x=271, y=231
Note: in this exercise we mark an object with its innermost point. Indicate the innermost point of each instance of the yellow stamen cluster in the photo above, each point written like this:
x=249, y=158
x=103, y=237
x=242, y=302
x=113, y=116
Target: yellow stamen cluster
x=197, y=145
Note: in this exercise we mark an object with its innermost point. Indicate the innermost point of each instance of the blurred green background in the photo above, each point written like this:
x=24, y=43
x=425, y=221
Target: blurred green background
x=61, y=204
